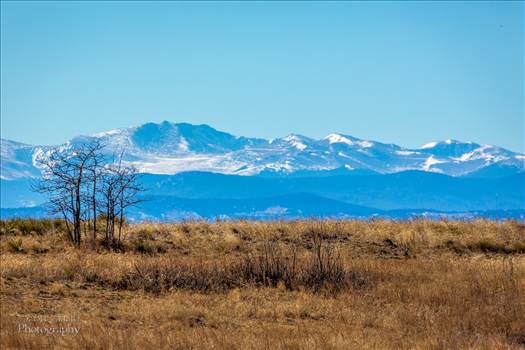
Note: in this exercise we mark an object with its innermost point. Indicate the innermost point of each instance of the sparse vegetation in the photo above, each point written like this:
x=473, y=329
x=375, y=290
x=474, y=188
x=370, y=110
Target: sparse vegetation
x=299, y=285
x=15, y=245
x=30, y=226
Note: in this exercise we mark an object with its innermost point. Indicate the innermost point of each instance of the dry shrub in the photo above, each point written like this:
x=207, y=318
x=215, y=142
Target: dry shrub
x=321, y=270
x=15, y=245
x=30, y=226
x=271, y=267
x=39, y=249
x=158, y=277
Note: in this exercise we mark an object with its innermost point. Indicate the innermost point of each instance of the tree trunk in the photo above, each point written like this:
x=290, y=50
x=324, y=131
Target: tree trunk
x=77, y=215
x=111, y=221
x=67, y=226
x=107, y=222
x=94, y=200
x=121, y=216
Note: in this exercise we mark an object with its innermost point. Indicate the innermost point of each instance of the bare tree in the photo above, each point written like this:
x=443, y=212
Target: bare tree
x=64, y=180
x=109, y=196
x=129, y=189
x=120, y=190
x=81, y=183
x=95, y=169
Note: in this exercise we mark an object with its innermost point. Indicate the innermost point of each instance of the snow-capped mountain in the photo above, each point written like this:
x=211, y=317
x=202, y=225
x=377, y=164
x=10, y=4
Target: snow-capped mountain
x=18, y=160
x=169, y=148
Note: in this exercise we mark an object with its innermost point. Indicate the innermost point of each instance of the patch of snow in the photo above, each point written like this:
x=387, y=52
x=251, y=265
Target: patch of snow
x=365, y=144
x=300, y=146
x=279, y=166
x=406, y=153
x=161, y=165
x=399, y=169
x=183, y=144
x=37, y=155
x=107, y=133
x=451, y=141
x=429, y=145
x=476, y=154
x=430, y=161
x=296, y=142
x=447, y=142
x=336, y=138
x=480, y=153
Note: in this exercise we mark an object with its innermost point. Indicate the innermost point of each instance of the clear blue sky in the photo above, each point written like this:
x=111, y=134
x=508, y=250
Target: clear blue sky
x=397, y=72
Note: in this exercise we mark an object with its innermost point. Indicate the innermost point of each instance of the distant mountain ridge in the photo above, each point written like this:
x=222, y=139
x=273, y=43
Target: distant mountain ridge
x=170, y=148
x=288, y=207
x=408, y=189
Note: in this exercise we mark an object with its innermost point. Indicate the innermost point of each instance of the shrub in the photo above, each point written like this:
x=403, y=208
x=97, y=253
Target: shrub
x=38, y=249
x=15, y=245
x=488, y=245
x=519, y=247
x=146, y=246
x=325, y=270
x=31, y=226
x=271, y=267
x=320, y=271
x=157, y=277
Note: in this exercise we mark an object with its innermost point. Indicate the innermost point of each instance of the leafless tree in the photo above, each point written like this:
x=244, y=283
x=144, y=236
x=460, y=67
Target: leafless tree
x=80, y=183
x=64, y=179
x=129, y=190
x=95, y=170
x=120, y=190
x=108, y=200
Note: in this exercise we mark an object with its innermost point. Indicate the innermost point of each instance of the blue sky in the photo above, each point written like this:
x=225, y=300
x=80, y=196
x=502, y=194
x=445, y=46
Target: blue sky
x=406, y=73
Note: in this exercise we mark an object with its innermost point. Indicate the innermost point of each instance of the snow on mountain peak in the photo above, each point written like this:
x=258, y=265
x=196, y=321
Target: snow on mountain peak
x=107, y=133
x=348, y=140
x=296, y=141
x=429, y=145
x=446, y=142
x=168, y=148
x=337, y=138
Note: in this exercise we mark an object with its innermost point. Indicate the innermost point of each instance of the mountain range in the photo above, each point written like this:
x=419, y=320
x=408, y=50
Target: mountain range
x=184, y=163
x=169, y=148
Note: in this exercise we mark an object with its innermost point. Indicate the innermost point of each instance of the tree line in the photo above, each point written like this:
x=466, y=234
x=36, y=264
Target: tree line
x=83, y=184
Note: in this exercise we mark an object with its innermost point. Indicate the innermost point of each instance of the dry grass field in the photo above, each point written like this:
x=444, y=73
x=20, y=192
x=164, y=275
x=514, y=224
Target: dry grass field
x=261, y=285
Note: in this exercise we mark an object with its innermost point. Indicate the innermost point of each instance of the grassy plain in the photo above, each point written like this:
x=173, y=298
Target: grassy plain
x=267, y=285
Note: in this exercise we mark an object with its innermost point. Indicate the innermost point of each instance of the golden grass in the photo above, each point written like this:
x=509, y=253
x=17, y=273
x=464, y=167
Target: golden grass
x=253, y=285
